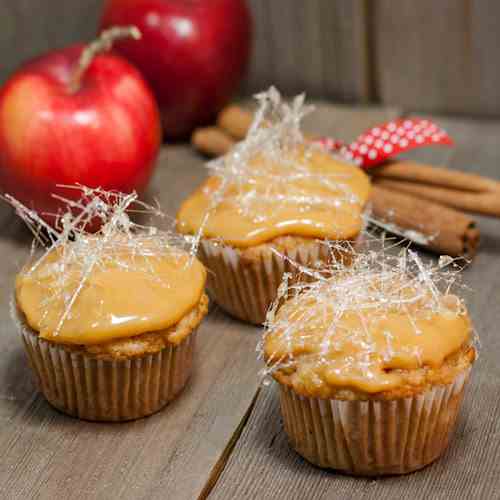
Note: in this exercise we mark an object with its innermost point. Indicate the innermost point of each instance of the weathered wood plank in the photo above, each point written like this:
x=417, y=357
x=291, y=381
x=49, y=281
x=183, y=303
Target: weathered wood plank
x=345, y=122
x=264, y=466
x=319, y=46
x=437, y=56
x=316, y=45
x=29, y=28
x=434, y=56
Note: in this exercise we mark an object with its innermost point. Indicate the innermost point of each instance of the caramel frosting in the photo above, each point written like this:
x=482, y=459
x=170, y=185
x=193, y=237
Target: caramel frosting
x=304, y=192
x=134, y=287
x=364, y=331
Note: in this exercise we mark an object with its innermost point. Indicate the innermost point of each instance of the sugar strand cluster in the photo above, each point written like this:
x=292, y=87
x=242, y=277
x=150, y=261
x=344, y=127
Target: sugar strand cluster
x=119, y=241
x=377, y=282
x=268, y=157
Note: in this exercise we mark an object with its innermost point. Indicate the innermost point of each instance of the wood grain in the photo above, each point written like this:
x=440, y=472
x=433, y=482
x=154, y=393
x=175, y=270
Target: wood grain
x=345, y=122
x=264, y=466
x=434, y=56
x=318, y=46
x=437, y=56
x=29, y=28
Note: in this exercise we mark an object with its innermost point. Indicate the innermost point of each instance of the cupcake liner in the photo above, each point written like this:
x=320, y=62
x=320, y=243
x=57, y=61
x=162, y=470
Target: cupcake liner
x=245, y=289
x=90, y=388
x=373, y=437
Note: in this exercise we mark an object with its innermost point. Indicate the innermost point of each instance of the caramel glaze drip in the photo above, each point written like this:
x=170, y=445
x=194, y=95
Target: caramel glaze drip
x=321, y=198
x=121, y=297
x=361, y=349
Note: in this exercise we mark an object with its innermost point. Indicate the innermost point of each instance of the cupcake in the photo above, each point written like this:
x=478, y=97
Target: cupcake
x=109, y=319
x=275, y=204
x=371, y=363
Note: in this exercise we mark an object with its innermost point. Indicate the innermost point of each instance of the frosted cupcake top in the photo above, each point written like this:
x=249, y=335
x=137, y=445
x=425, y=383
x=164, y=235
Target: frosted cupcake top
x=123, y=281
x=366, y=328
x=274, y=183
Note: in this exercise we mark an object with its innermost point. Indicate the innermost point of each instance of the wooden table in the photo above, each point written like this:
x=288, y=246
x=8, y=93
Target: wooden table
x=223, y=437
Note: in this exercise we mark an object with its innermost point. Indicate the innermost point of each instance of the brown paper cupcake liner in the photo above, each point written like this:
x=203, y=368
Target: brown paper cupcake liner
x=83, y=386
x=373, y=437
x=246, y=289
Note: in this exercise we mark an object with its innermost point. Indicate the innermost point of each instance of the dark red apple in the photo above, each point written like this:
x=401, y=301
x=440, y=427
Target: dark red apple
x=193, y=53
x=99, y=128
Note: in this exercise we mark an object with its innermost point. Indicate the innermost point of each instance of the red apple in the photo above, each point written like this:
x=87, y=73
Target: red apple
x=193, y=53
x=100, y=128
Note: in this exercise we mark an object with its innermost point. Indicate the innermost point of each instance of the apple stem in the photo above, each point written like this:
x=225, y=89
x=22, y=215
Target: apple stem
x=101, y=44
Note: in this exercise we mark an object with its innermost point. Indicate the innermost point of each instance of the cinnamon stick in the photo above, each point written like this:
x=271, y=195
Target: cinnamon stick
x=437, y=227
x=441, y=229
x=212, y=141
x=435, y=176
x=485, y=203
x=235, y=121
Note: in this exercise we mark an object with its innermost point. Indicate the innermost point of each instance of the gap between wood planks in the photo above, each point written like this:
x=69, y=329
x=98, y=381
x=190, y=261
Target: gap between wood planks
x=370, y=53
x=219, y=466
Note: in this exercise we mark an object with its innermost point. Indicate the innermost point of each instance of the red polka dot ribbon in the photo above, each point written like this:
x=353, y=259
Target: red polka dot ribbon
x=382, y=142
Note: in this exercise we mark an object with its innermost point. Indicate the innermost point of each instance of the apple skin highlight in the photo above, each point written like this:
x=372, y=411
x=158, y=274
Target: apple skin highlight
x=194, y=54
x=106, y=133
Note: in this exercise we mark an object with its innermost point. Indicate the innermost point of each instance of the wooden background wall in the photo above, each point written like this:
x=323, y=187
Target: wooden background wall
x=428, y=55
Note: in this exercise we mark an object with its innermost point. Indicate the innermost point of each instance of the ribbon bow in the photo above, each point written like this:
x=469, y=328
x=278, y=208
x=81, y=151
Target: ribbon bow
x=378, y=144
